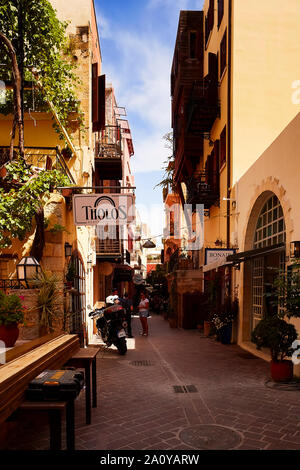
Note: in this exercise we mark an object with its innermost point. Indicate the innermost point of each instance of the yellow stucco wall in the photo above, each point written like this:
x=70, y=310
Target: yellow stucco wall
x=266, y=50
x=275, y=171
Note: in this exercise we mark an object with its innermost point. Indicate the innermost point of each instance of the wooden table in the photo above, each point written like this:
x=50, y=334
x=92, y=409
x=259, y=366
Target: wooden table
x=55, y=411
x=85, y=358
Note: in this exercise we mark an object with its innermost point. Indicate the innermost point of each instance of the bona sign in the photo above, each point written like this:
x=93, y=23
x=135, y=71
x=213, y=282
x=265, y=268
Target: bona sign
x=103, y=209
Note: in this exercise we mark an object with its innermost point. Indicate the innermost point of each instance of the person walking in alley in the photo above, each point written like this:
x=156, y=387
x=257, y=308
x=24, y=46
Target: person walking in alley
x=144, y=313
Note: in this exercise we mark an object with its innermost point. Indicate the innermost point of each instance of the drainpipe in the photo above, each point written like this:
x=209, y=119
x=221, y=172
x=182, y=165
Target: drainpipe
x=229, y=92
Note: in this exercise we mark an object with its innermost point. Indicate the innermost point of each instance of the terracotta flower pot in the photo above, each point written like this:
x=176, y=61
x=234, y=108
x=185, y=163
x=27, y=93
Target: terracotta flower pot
x=206, y=328
x=67, y=192
x=281, y=371
x=9, y=334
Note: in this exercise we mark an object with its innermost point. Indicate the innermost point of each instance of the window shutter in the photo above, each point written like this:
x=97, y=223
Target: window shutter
x=101, y=95
x=223, y=147
x=100, y=123
x=223, y=54
x=95, y=93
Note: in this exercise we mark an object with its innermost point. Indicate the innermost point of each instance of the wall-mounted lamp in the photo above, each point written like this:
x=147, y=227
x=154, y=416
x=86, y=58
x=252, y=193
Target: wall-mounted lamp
x=68, y=249
x=28, y=268
x=295, y=249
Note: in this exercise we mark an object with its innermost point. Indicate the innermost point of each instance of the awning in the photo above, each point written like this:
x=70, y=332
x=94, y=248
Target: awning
x=244, y=255
x=123, y=273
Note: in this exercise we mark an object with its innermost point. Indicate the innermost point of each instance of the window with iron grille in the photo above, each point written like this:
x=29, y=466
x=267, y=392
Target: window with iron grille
x=223, y=54
x=220, y=11
x=270, y=229
x=223, y=142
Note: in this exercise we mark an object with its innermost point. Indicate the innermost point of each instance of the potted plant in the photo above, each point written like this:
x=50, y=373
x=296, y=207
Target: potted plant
x=48, y=301
x=276, y=334
x=11, y=314
x=222, y=320
x=67, y=153
x=71, y=271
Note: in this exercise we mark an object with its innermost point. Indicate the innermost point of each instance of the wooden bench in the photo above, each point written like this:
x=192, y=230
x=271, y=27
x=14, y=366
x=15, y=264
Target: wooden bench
x=55, y=411
x=85, y=358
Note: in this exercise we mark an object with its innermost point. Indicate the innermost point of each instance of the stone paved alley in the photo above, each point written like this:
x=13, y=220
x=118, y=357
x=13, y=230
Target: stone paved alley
x=139, y=409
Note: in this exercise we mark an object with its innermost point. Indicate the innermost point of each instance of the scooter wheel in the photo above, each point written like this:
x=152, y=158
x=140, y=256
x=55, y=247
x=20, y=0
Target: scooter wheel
x=122, y=346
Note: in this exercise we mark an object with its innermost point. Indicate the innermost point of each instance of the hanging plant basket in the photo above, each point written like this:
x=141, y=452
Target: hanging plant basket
x=67, y=153
x=3, y=172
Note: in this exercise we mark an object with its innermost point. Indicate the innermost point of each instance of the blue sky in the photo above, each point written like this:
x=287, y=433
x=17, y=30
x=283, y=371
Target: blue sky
x=137, y=39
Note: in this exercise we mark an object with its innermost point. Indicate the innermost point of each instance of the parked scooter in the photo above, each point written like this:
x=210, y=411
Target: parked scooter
x=111, y=324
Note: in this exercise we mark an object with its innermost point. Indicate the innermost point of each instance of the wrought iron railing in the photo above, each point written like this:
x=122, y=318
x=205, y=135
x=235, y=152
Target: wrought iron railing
x=203, y=188
x=8, y=284
x=180, y=260
x=109, y=143
x=109, y=247
x=203, y=105
x=42, y=158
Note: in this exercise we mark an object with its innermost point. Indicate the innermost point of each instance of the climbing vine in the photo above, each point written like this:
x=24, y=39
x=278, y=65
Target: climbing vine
x=45, y=55
x=25, y=193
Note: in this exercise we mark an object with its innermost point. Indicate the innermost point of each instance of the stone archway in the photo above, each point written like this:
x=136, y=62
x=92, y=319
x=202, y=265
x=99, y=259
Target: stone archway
x=263, y=193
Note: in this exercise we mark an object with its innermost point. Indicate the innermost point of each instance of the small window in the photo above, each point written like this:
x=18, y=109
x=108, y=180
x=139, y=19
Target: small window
x=223, y=54
x=193, y=45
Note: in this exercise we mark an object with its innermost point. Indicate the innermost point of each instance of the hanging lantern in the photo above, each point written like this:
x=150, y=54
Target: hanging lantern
x=149, y=244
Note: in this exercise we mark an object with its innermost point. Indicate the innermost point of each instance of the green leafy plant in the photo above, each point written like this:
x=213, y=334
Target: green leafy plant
x=25, y=194
x=11, y=309
x=169, y=166
x=42, y=42
x=285, y=292
x=57, y=228
x=276, y=334
x=48, y=301
x=71, y=272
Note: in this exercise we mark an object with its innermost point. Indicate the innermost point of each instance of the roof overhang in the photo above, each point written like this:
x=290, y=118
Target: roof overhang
x=245, y=255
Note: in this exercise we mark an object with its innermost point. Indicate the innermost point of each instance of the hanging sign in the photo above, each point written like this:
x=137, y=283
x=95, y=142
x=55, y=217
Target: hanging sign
x=217, y=255
x=103, y=209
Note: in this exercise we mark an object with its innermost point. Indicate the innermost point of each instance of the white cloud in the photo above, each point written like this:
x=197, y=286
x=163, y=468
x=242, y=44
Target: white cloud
x=141, y=78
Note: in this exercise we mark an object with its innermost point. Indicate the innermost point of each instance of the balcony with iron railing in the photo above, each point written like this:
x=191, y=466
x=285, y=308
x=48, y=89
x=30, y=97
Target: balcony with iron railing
x=203, y=106
x=109, y=249
x=108, y=153
x=203, y=188
x=41, y=158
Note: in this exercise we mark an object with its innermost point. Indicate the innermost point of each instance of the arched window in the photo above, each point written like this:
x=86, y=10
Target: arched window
x=270, y=228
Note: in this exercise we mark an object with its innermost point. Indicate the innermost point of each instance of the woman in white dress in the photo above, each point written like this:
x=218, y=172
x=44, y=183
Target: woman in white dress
x=144, y=313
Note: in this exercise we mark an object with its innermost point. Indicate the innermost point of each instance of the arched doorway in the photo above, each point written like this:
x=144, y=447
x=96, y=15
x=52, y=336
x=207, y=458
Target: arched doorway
x=265, y=256
x=270, y=231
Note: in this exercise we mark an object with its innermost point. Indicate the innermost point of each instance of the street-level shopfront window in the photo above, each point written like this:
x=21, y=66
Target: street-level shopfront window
x=77, y=317
x=270, y=231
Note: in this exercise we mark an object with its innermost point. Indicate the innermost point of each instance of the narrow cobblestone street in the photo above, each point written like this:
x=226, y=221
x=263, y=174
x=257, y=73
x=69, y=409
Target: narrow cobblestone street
x=138, y=408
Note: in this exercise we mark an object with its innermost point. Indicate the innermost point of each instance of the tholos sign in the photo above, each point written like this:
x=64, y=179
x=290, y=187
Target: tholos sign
x=103, y=209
